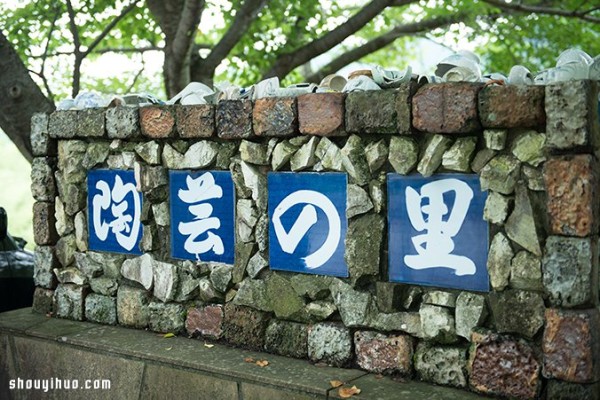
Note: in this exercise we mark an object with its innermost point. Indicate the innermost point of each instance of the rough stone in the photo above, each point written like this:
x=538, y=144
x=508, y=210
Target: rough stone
x=438, y=324
x=496, y=208
x=458, y=157
x=388, y=296
x=315, y=287
x=70, y=275
x=503, y=367
x=243, y=251
x=446, y=108
x=440, y=298
x=205, y=321
x=90, y=122
x=199, y=155
x=246, y=220
x=254, y=153
x=512, y=106
x=403, y=155
x=404, y=96
x=517, y=311
x=570, y=345
x=572, y=202
x=65, y=250
x=96, y=154
x=442, y=365
x=105, y=286
x=256, y=265
x=500, y=174
x=140, y=270
x=409, y=322
x=195, y=121
x=284, y=300
x=150, y=152
x=570, y=271
x=521, y=224
x=412, y=297
x=165, y=281
x=234, y=119
x=253, y=293
x=377, y=154
x=384, y=353
x=377, y=193
x=534, y=178
x=330, y=343
x=62, y=124
x=329, y=154
x=157, y=122
x=275, y=116
x=207, y=292
x=528, y=147
x=356, y=308
x=282, y=154
x=244, y=326
x=132, y=307
x=432, y=156
x=44, y=263
x=481, y=159
x=321, y=114
x=161, y=213
x=362, y=117
x=110, y=263
x=72, y=195
x=122, y=123
x=256, y=182
x=560, y=390
x=261, y=233
x=470, y=313
x=289, y=339
x=101, y=309
x=124, y=160
x=358, y=201
x=44, y=224
x=43, y=187
x=69, y=301
x=498, y=263
x=320, y=310
x=363, y=245
x=166, y=317
x=354, y=160
x=42, y=301
x=526, y=272
x=226, y=154
x=305, y=156
x=70, y=160
x=571, y=109
x=41, y=144
x=495, y=139
x=220, y=277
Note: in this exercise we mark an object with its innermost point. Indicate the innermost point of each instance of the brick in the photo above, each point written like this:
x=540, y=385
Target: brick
x=321, y=114
x=287, y=338
x=446, y=108
x=41, y=143
x=90, y=123
x=63, y=124
x=205, y=321
x=572, y=114
x=442, y=365
x=404, y=107
x=197, y=121
x=44, y=229
x=157, y=122
x=517, y=311
x=384, y=353
x=330, y=343
x=571, y=345
x=132, y=307
x=101, y=309
x=572, y=201
x=243, y=326
x=371, y=112
x=42, y=301
x=503, y=367
x=43, y=186
x=275, y=117
x=234, y=119
x=512, y=106
x=69, y=301
x=122, y=122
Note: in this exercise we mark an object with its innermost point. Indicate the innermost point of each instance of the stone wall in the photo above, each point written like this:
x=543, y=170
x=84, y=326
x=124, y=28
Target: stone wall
x=535, y=334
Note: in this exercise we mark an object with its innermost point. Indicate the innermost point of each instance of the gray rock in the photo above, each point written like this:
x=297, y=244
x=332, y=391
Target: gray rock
x=284, y=300
x=363, y=245
x=517, y=311
x=162, y=215
x=526, y=272
x=132, y=307
x=534, y=178
x=377, y=193
x=140, y=270
x=570, y=271
x=356, y=308
x=500, y=174
x=256, y=182
x=330, y=343
x=320, y=310
x=70, y=275
x=207, y=292
x=70, y=160
x=253, y=293
x=122, y=122
x=459, y=156
x=220, y=277
x=64, y=223
x=498, y=263
x=88, y=268
x=73, y=196
x=470, y=313
x=282, y=154
x=358, y=201
x=440, y=298
x=188, y=282
x=528, y=147
x=495, y=139
x=388, y=296
x=432, y=156
x=226, y=152
x=496, y=208
x=305, y=156
x=412, y=297
x=287, y=338
x=81, y=232
x=247, y=217
x=110, y=263
x=243, y=251
x=521, y=224
x=101, y=309
x=409, y=322
x=124, y=160
x=241, y=190
x=43, y=187
x=254, y=153
x=441, y=365
x=355, y=162
x=261, y=233
x=65, y=250
x=199, y=155
x=437, y=324
x=41, y=144
x=330, y=155
x=150, y=152
x=165, y=281
x=166, y=317
x=96, y=154
x=105, y=286
x=256, y=265
x=69, y=301
x=315, y=287
x=44, y=263
x=403, y=155
x=377, y=154
x=481, y=159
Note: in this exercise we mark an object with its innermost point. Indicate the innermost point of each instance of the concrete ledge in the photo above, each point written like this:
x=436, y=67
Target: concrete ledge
x=145, y=365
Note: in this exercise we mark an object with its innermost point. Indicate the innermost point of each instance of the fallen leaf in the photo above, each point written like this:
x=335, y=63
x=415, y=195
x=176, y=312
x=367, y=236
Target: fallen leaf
x=169, y=348
x=378, y=376
x=335, y=384
x=209, y=346
x=262, y=363
x=168, y=335
x=249, y=360
x=346, y=393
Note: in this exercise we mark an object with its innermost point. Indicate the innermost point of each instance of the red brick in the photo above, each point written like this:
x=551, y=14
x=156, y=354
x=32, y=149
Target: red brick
x=205, y=321
x=197, y=121
x=321, y=114
x=512, y=107
x=571, y=184
x=275, y=117
x=447, y=108
x=157, y=122
x=571, y=345
x=44, y=224
x=234, y=119
x=380, y=353
x=243, y=326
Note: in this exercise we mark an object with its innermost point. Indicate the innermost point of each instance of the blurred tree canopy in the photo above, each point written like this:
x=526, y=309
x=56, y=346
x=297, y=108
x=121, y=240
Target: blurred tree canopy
x=45, y=45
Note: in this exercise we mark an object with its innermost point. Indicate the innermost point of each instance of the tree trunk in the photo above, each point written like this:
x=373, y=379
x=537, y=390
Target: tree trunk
x=20, y=98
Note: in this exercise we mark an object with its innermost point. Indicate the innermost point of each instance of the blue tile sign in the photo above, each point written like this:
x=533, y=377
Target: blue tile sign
x=202, y=216
x=114, y=210
x=307, y=222
x=437, y=234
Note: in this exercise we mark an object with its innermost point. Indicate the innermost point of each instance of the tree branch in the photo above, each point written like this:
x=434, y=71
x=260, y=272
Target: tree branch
x=45, y=55
x=76, y=51
x=109, y=27
x=188, y=23
x=523, y=8
x=382, y=41
x=287, y=62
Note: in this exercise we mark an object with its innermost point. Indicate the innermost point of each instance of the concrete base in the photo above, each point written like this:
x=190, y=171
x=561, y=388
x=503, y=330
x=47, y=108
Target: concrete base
x=146, y=365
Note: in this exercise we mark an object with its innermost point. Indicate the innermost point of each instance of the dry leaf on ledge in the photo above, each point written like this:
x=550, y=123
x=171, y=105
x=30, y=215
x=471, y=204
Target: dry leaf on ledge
x=262, y=363
x=249, y=360
x=335, y=384
x=168, y=335
x=210, y=346
x=346, y=393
